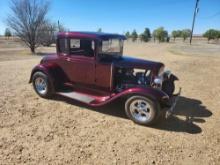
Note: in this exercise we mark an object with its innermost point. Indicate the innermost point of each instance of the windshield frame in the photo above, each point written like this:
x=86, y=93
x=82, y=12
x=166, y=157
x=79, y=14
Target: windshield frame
x=120, y=45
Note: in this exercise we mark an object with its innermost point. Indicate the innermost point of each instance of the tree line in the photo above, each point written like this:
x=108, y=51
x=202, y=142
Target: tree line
x=212, y=34
x=185, y=33
x=159, y=34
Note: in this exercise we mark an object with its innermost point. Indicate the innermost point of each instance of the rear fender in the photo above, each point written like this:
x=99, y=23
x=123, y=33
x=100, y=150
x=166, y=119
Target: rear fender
x=173, y=77
x=170, y=76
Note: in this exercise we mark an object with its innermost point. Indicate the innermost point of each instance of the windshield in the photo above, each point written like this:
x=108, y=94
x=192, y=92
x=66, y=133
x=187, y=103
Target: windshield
x=111, y=47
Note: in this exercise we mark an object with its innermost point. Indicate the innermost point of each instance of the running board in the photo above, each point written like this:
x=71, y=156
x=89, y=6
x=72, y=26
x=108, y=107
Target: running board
x=77, y=96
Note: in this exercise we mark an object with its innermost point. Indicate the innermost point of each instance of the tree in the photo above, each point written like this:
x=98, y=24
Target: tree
x=154, y=35
x=7, y=33
x=99, y=30
x=166, y=37
x=26, y=19
x=218, y=36
x=62, y=28
x=145, y=36
x=176, y=33
x=212, y=34
x=127, y=34
x=160, y=34
x=47, y=33
x=134, y=35
x=185, y=34
x=179, y=33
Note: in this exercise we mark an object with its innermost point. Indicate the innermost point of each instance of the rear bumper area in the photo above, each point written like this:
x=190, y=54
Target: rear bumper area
x=171, y=104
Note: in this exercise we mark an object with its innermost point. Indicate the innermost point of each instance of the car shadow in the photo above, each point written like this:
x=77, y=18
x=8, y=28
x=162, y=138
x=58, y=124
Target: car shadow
x=188, y=112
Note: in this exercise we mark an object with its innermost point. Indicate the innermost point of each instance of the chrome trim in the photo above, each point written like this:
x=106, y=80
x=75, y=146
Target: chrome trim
x=141, y=110
x=40, y=85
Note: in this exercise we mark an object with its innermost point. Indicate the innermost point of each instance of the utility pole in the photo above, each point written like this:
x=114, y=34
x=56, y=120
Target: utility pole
x=58, y=23
x=194, y=18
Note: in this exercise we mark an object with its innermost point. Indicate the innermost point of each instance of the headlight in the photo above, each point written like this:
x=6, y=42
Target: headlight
x=158, y=80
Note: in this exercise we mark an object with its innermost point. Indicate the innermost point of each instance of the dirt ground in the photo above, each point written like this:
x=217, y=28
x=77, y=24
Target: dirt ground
x=59, y=131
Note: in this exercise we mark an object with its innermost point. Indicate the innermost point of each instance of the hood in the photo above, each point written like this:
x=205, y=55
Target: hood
x=129, y=62
x=49, y=57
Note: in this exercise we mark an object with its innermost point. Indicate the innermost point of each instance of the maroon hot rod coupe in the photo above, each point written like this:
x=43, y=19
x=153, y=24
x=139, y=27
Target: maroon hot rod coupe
x=89, y=67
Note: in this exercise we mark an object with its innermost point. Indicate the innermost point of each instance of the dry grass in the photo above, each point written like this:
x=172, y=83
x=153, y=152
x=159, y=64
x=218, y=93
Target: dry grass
x=198, y=49
x=38, y=131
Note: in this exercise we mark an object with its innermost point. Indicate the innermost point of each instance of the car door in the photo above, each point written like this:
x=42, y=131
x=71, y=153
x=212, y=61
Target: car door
x=79, y=62
x=104, y=77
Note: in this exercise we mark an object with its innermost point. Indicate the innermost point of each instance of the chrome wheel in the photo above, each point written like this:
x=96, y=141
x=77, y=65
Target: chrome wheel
x=41, y=85
x=141, y=110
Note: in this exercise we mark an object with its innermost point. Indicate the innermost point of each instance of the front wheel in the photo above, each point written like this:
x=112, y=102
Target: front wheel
x=142, y=110
x=42, y=85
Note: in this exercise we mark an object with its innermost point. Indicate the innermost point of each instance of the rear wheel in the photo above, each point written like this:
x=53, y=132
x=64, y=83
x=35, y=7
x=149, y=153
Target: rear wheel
x=142, y=110
x=42, y=85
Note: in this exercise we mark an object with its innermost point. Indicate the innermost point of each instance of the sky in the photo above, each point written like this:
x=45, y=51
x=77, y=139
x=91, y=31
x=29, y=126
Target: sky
x=119, y=16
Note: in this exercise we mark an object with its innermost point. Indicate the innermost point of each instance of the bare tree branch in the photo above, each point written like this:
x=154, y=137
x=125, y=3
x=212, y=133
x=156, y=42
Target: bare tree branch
x=26, y=19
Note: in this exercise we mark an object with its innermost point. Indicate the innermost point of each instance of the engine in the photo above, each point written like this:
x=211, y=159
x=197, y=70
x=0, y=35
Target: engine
x=128, y=77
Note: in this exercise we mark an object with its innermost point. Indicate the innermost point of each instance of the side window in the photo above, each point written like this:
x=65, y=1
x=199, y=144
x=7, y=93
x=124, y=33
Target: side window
x=74, y=44
x=63, y=45
x=82, y=47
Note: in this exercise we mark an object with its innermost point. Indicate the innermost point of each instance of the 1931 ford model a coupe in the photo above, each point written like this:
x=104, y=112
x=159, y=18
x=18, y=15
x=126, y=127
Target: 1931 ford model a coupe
x=92, y=68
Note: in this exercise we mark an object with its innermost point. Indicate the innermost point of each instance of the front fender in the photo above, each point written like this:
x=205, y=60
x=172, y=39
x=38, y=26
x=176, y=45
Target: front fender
x=152, y=93
x=42, y=68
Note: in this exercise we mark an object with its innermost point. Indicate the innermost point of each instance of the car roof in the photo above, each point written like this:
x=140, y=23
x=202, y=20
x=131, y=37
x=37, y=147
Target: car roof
x=90, y=35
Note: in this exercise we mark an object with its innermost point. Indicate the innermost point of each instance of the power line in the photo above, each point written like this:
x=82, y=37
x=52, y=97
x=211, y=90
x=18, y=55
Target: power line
x=211, y=16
